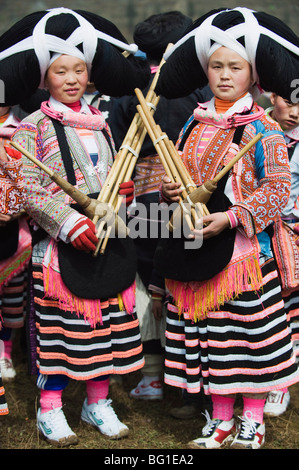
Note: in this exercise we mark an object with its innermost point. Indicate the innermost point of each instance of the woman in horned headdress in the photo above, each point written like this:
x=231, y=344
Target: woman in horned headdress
x=226, y=328
x=81, y=337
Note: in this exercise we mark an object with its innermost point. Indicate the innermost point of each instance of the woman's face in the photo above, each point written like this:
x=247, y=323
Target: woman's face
x=67, y=79
x=229, y=75
x=285, y=112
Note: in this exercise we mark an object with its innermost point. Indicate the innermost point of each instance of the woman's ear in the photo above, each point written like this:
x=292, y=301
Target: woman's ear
x=272, y=98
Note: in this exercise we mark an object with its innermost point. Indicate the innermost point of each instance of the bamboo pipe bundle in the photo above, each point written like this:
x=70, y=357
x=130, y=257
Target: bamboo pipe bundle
x=172, y=163
x=124, y=175
x=177, y=172
x=125, y=162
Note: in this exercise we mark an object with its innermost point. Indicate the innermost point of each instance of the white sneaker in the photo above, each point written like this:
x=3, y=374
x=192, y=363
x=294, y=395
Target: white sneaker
x=8, y=372
x=54, y=427
x=152, y=391
x=250, y=435
x=276, y=403
x=214, y=434
x=102, y=416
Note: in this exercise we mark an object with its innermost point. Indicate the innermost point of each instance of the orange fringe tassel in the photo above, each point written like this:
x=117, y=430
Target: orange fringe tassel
x=199, y=298
x=90, y=309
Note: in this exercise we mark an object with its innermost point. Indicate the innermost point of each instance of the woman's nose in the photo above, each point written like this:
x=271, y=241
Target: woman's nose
x=224, y=72
x=71, y=78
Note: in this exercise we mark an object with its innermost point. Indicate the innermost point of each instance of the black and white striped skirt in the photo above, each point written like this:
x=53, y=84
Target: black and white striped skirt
x=244, y=348
x=291, y=301
x=67, y=344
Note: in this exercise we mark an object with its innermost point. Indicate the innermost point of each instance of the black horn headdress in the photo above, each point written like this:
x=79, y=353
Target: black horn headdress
x=27, y=47
x=267, y=43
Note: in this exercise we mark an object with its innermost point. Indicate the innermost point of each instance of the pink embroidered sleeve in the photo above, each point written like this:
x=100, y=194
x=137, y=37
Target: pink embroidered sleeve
x=265, y=202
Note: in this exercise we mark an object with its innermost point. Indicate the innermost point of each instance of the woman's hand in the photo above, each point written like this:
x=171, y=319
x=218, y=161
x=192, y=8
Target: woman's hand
x=211, y=225
x=171, y=191
x=157, y=308
x=3, y=154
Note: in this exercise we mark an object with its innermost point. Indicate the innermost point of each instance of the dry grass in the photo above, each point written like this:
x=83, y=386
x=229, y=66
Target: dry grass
x=151, y=426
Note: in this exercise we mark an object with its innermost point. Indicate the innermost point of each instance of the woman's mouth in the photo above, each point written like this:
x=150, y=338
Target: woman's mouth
x=71, y=91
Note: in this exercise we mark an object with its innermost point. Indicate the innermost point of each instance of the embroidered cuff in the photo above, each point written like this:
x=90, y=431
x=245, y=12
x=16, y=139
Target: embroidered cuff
x=233, y=221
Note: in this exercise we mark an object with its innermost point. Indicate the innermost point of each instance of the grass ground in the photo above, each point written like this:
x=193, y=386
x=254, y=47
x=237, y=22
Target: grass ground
x=151, y=426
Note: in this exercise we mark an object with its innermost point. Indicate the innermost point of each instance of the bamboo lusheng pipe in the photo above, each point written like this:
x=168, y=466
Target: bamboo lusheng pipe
x=190, y=194
x=121, y=157
x=125, y=161
x=171, y=161
x=114, y=198
x=125, y=167
x=203, y=193
x=87, y=204
x=128, y=170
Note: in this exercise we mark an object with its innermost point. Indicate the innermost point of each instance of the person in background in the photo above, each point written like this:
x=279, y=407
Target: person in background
x=286, y=113
x=15, y=253
x=152, y=37
x=11, y=203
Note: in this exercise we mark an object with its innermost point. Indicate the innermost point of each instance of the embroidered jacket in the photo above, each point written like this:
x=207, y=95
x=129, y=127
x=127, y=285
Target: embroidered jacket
x=260, y=182
x=11, y=176
x=46, y=202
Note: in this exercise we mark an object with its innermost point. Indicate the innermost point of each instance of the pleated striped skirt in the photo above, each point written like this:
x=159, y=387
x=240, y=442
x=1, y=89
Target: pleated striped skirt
x=68, y=345
x=3, y=404
x=244, y=348
x=13, y=300
x=291, y=302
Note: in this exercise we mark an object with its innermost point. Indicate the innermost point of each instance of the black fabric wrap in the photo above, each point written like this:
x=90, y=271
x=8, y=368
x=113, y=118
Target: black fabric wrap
x=9, y=239
x=100, y=277
x=173, y=261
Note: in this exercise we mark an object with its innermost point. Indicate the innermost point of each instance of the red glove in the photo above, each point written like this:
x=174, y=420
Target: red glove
x=296, y=228
x=83, y=235
x=14, y=153
x=127, y=189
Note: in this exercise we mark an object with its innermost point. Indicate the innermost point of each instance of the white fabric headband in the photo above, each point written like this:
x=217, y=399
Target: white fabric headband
x=250, y=29
x=43, y=43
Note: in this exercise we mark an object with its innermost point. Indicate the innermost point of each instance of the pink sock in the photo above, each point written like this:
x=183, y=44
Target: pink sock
x=223, y=407
x=97, y=390
x=254, y=407
x=7, y=348
x=50, y=399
